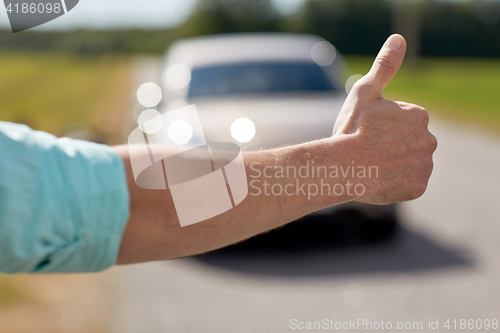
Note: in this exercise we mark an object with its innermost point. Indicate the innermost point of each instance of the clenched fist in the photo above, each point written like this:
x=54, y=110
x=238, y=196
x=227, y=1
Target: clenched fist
x=393, y=136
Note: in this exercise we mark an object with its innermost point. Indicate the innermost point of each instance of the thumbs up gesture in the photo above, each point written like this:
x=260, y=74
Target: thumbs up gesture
x=393, y=136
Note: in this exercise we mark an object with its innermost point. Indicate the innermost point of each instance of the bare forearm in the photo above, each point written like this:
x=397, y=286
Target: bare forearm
x=154, y=233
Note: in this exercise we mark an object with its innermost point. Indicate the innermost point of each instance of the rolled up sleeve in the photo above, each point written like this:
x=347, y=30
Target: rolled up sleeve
x=63, y=203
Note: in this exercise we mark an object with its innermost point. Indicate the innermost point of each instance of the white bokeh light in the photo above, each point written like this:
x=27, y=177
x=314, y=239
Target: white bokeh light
x=243, y=130
x=150, y=121
x=323, y=53
x=149, y=94
x=180, y=132
x=178, y=76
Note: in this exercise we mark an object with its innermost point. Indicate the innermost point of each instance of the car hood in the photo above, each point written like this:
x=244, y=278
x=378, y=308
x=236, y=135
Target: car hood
x=279, y=120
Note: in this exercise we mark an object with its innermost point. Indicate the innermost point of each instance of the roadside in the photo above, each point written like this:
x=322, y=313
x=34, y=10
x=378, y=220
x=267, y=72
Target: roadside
x=85, y=99
x=61, y=93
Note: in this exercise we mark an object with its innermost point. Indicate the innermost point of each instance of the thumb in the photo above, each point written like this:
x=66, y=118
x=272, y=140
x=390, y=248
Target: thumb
x=386, y=65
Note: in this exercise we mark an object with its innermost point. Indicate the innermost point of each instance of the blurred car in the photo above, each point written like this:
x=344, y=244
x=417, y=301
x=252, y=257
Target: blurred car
x=263, y=91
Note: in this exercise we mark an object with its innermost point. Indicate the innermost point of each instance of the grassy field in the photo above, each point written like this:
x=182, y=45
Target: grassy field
x=54, y=92
x=457, y=89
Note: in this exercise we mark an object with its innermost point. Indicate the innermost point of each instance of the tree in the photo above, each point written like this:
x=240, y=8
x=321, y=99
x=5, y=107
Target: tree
x=226, y=16
x=353, y=26
x=406, y=16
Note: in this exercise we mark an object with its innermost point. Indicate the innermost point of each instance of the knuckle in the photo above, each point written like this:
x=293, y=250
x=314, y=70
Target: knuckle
x=420, y=113
x=386, y=62
x=418, y=190
x=363, y=87
x=407, y=106
x=427, y=171
x=424, y=115
x=401, y=104
x=420, y=186
x=417, y=111
x=433, y=142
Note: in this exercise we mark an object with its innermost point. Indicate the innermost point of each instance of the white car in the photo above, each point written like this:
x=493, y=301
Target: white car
x=261, y=91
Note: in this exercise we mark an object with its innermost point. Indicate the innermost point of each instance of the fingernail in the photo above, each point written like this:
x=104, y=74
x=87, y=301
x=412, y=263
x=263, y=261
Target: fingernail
x=395, y=42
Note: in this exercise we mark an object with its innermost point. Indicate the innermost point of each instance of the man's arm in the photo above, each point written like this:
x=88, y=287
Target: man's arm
x=154, y=232
x=370, y=132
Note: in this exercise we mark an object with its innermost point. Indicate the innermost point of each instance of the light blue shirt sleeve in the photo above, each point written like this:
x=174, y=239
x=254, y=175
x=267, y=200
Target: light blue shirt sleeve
x=63, y=203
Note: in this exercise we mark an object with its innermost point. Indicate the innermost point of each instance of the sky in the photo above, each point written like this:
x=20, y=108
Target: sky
x=100, y=14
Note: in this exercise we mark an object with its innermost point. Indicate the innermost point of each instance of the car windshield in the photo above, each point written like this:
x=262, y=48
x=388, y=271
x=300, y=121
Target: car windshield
x=258, y=78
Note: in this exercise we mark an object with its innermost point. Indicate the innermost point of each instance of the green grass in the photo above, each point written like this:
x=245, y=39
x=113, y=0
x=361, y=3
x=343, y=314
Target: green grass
x=52, y=91
x=455, y=88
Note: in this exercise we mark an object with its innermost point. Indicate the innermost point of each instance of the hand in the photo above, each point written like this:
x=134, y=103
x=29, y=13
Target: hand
x=392, y=136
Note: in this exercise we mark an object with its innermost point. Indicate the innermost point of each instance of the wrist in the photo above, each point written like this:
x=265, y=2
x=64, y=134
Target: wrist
x=309, y=176
x=338, y=167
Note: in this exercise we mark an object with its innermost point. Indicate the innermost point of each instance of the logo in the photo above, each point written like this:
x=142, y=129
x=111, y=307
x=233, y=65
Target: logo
x=26, y=14
x=205, y=179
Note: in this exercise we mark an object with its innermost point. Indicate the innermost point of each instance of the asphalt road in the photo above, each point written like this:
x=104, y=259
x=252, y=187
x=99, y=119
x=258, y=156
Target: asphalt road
x=442, y=264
